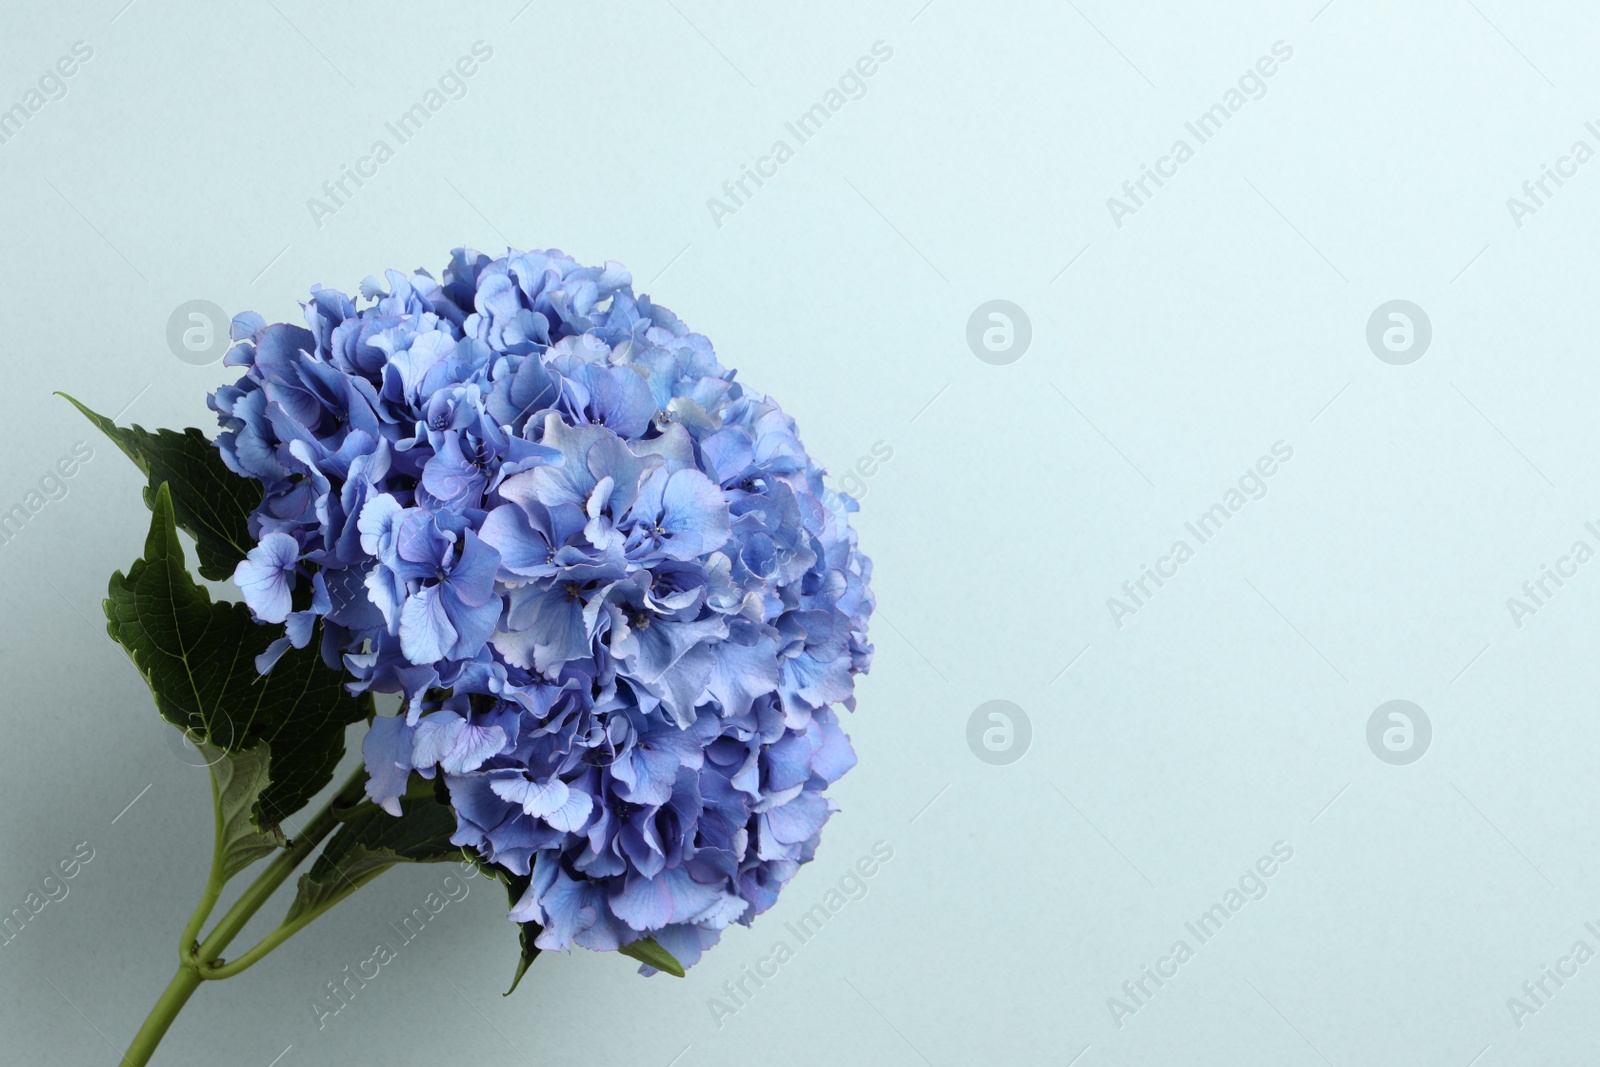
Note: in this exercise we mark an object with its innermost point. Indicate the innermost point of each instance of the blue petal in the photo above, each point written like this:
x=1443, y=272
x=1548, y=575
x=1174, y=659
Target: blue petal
x=694, y=515
x=671, y=896
x=742, y=673
x=799, y=820
x=524, y=551
x=425, y=629
x=263, y=576
x=835, y=756
x=451, y=479
x=269, y=659
x=387, y=750
x=472, y=578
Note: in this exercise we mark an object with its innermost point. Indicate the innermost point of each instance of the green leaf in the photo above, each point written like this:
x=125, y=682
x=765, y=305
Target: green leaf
x=199, y=660
x=652, y=954
x=212, y=503
x=516, y=885
x=239, y=778
x=370, y=844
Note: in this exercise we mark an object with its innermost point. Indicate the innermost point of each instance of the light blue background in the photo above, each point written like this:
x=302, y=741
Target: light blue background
x=1227, y=314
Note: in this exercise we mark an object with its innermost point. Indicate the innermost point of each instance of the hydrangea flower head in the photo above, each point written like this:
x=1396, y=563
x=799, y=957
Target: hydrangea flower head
x=598, y=570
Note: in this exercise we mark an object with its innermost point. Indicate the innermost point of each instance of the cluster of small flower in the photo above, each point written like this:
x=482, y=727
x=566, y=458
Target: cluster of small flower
x=597, y=568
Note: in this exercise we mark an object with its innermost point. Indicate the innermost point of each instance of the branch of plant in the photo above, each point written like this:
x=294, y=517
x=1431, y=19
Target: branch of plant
x=205, y=958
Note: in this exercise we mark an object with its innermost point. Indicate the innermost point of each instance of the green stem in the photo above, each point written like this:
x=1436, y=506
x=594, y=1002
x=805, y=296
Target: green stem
x=189, y=942
x=281, y=934
x=172, y=1000
x=190, y=975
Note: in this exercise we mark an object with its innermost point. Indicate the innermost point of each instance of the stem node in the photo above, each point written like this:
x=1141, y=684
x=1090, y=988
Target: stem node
x=201, y=961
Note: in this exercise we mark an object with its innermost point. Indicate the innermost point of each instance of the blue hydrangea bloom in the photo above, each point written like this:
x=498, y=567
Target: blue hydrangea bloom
x=597, y=569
